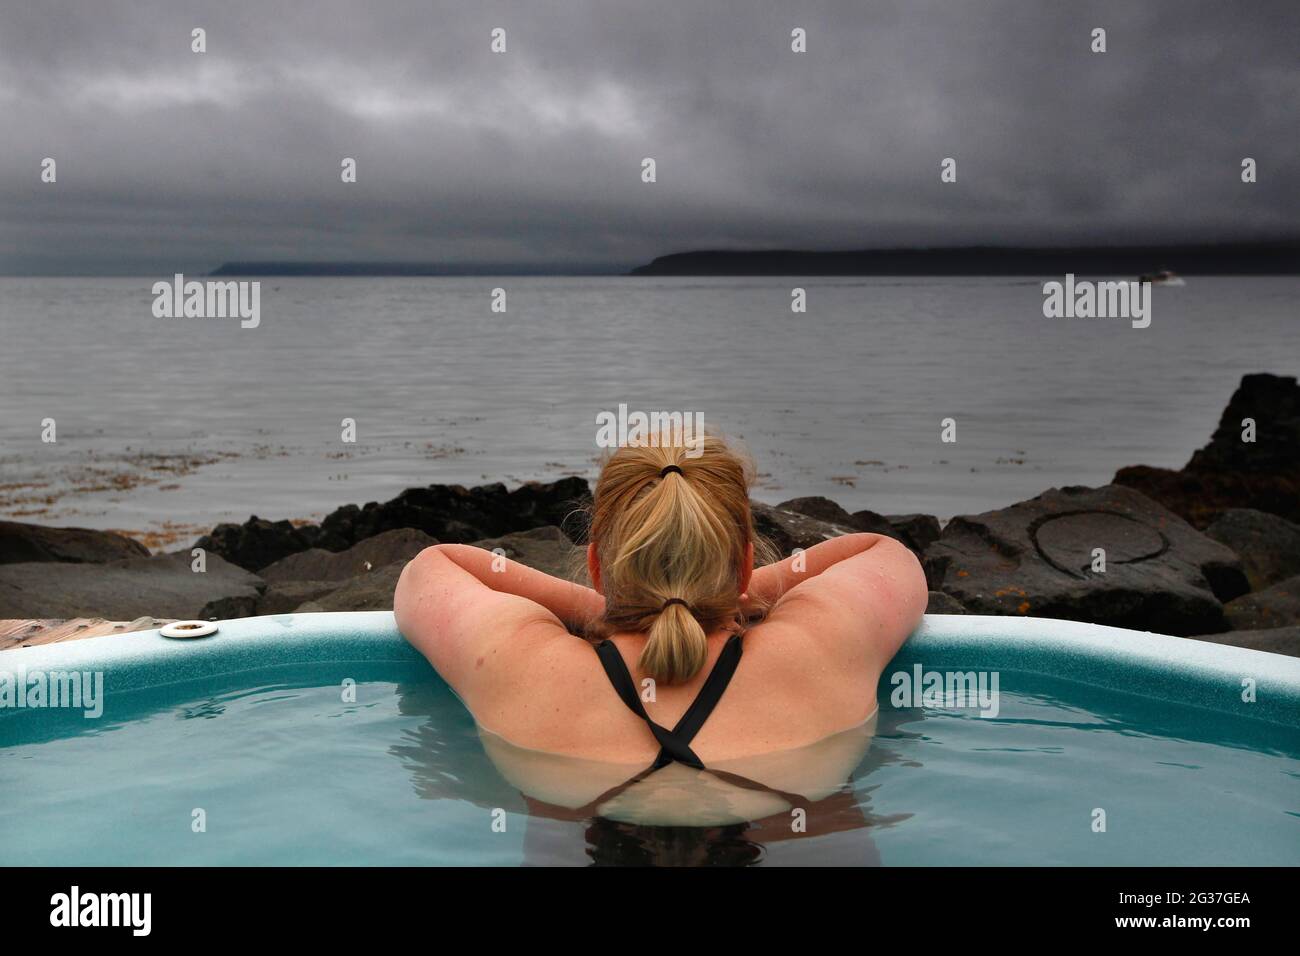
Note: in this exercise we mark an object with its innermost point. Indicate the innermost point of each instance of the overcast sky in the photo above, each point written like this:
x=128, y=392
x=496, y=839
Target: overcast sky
x=170, y=160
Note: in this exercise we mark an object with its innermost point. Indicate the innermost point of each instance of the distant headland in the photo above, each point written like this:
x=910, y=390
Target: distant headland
x=1256, y=258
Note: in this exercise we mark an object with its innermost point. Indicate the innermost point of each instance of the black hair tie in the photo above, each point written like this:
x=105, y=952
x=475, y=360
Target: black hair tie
x=672, y=601
x=669, y=469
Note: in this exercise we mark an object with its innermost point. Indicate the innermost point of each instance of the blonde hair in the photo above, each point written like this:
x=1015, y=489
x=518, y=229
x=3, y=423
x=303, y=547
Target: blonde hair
x=676, y=535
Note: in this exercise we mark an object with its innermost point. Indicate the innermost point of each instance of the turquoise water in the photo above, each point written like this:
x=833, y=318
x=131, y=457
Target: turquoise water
x=286, y=771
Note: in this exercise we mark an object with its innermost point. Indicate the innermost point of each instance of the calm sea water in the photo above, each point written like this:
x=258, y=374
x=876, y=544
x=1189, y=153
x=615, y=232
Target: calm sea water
x=171, y=425
x=289, y=773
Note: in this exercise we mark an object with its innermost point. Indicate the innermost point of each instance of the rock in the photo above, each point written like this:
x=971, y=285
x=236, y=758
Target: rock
x=23, y=543
x=1273, y=402
x=941, y=603
x=160, y=586
x=875, y=524
x=317, y=564
x=229, y=608
x=444, y=512
x=787, y=530
x=1035, y=558
x=1232, y=473
x=285, y=597
x=1268, y=545
x=255, y=543
x=916, y=531
x=370, y=592
x=545, y=549
x=455, y=514
x=1274, y=640
x=823, y=509
x=1277, y=606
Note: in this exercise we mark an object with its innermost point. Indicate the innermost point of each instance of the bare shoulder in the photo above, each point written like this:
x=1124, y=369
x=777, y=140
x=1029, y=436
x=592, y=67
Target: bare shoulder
x=857, y=613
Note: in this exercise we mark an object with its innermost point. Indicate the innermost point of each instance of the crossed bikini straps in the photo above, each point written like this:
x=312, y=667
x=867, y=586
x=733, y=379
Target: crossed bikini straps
x=675, y=744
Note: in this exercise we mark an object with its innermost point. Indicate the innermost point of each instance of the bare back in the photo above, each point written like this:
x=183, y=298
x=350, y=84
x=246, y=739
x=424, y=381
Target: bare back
x=809, y=670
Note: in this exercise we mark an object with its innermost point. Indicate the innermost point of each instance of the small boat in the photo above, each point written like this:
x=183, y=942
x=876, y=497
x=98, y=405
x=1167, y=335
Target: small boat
x=1162, y=277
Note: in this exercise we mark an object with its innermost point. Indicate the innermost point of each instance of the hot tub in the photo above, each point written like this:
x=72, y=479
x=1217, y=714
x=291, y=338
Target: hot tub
x=325, y=739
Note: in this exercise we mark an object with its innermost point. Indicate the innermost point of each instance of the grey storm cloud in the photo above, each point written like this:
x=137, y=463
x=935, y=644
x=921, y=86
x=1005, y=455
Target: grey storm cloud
x=171, y=159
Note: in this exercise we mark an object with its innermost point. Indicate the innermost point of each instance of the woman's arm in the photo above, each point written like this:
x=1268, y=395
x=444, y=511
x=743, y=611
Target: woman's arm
x=459, y=605
x=769, y=584
x=860, y=596
x=572, y=604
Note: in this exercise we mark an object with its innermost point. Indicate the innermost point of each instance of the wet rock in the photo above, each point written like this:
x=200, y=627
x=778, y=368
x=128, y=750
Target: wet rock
x=941, y=603
x=823, y=509
x=1036, y=558
x=317, y=564
x=1274, y=640
x=1277, y=606
x=787, y=530
x=875, y=524
x=370, y=592
x=456, y=514
x=545, y=549
x=160, y=586
x=22, y=543
x=285, y=597
x=916, y=531
x=1268, y=545
x=1231, y=473
x=255, y=543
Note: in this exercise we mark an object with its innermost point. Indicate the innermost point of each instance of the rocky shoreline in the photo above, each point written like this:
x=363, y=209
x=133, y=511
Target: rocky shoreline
x=1211, y=551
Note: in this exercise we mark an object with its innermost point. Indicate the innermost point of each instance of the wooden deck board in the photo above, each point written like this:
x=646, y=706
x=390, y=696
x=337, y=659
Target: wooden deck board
x=32, y=632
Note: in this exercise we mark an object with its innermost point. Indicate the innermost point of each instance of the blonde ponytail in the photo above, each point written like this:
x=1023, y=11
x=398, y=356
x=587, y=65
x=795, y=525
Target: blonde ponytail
x=671, y=532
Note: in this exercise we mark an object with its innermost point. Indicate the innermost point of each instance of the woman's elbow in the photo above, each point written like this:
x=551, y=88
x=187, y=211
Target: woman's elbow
x=412, y=582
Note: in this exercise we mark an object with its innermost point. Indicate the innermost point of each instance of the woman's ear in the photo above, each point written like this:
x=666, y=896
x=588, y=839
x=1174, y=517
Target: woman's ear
x=747, y=567
x=593, y=567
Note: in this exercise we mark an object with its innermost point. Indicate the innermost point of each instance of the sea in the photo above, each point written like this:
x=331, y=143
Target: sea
x=937, y=395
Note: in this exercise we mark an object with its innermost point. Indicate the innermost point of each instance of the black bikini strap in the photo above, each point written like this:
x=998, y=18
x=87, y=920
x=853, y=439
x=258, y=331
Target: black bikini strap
x=711, y=692
x=670, y=747
x=674, y=744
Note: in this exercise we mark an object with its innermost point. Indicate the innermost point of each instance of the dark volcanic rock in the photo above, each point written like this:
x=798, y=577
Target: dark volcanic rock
x=1035, y=558
x=941, y=603
x=823, y=509
x=255, y=543
x=317, y=564
x=915, y=531
x=787, y=530
x=544, y=549
x=285, y=597
x=370, y=592
x=1274, y=640
x=1268, y=545
x=1278, y=606
x=444, y=512
x=875, y=524
x=918, y=532
x=1231, y=473
x=455, y=514
x=22, y=543
x=160, y=586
